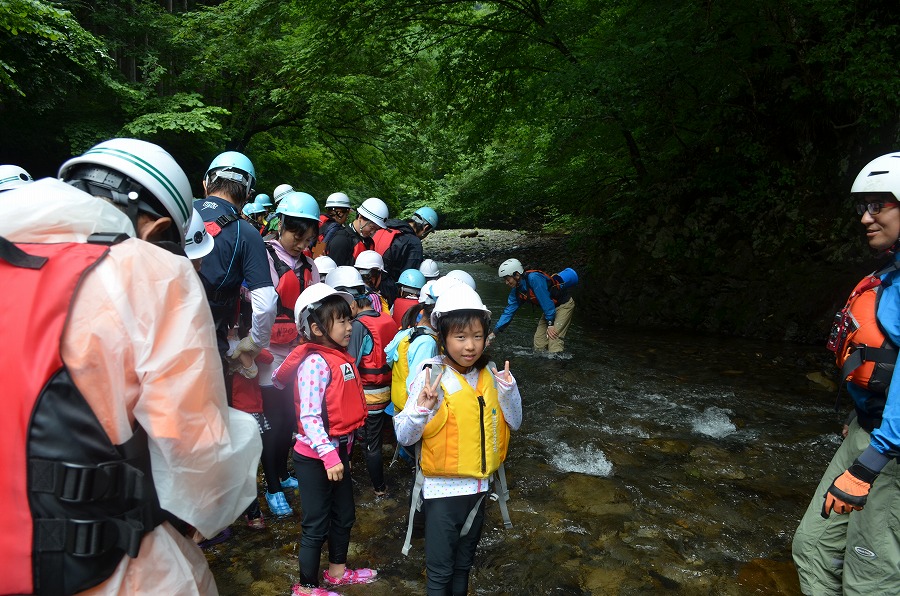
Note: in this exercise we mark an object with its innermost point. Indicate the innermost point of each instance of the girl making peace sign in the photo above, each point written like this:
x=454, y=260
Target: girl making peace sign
x=462, y=413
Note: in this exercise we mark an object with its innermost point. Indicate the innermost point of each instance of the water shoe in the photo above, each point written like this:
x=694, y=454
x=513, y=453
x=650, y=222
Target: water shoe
x=351, y=577
x=278, y=504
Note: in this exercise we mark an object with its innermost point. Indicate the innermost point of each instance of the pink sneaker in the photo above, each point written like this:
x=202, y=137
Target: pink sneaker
x=299, y=590
x=351, y=577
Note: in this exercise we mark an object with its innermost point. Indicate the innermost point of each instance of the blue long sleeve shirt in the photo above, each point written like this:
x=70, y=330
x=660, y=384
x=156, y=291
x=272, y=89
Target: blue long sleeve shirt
x=885, y=442
x=537, y=283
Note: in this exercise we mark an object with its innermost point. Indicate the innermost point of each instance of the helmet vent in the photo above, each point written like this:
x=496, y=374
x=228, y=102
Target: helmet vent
x=878, y=173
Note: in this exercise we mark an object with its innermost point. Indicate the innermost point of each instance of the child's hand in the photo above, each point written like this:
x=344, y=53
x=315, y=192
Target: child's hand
x=336, y=472
x=428, y=396
x=505, y=376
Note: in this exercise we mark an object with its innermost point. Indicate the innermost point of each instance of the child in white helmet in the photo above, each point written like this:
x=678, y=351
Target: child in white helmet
x=330, y=407
x=462, y=413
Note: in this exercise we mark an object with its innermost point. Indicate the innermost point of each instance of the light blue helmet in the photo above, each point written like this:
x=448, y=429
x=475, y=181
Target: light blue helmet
x=411, y=278
x=428, y=215
x=232, y=165
x=251, y=209
x=299, y=204
x=264, y=200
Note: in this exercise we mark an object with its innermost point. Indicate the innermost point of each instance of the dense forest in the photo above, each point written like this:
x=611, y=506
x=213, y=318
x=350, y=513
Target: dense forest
x=697, y=154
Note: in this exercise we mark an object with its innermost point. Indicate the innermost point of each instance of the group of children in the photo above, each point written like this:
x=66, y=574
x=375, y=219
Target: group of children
x=355, y=366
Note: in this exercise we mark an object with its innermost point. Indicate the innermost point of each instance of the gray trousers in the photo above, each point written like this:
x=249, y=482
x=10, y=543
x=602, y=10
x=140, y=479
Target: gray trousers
x=857, y=553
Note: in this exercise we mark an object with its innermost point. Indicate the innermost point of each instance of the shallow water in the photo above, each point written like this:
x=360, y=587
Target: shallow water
x=647, y=463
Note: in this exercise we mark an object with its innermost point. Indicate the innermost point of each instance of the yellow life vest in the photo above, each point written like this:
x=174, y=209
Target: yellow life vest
x=400, y=369
x=468, y=436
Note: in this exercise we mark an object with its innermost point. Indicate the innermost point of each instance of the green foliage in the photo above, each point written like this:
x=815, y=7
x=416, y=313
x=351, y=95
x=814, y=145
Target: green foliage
x=679, y=124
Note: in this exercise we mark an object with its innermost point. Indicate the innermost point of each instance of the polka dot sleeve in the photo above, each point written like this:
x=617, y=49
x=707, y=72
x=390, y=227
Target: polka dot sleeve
x=312, y=379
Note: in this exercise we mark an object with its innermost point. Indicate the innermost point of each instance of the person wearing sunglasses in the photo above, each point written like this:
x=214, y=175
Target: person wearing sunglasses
x=848, y=541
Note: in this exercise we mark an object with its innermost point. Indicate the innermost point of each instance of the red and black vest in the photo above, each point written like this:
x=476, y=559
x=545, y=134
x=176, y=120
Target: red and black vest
x=401, y=305
x=383, y=239
x=74, y=504
x=344, y=406
x=288, y=288
x=374, y=368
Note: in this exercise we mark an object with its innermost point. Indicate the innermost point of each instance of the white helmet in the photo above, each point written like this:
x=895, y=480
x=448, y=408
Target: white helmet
x=346, y=277
x=510, y=266
x=281, y=191
x=326, y=265
x=429, y=269
x=368, y=260
x=136, y=175
x=309, y=300
x=338, y=199
x=375, y=210
x=459, y=297
x=433, y=289
x=463, y=277
x=13, y=177
x=882, y=174
x=197, y=242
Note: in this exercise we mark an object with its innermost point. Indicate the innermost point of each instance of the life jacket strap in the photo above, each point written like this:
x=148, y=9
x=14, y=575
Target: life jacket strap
x=864, y=353
x=91, y=538
x=215, y=227
x=502, y=496
x=415, y=503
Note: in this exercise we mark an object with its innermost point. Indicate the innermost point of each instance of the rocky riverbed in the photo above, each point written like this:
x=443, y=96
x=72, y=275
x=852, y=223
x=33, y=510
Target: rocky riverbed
x=492, y=247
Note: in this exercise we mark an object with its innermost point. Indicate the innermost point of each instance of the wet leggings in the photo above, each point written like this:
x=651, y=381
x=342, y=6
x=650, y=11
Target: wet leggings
x=371, y=444
x=448, y=556
x=328, y=513
x=278, y=406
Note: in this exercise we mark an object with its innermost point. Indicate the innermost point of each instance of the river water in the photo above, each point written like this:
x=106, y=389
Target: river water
x=648, y=463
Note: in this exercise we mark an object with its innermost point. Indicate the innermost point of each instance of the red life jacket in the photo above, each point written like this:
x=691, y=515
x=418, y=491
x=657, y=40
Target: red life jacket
x=344, y=406
x=246, y=394
x=552, y=285
x=374, y=368
x=864, y=354
x=383, y=239
x=58, y=463
x=289, y=287
x=401, y=305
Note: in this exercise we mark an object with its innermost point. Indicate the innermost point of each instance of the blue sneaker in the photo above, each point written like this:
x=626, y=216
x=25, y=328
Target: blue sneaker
x=278, y=504
x=290, y=482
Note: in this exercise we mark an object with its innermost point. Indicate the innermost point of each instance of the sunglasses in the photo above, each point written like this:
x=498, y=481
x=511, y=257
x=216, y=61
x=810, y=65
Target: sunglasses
x=874, y=208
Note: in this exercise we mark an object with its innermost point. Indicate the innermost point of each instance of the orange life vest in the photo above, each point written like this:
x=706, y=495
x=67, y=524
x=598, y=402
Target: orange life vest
x=864, y=354
x=556, y=293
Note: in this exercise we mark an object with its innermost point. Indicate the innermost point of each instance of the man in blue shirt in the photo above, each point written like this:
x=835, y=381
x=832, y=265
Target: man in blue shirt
x=239, y=256
x=836, y=553
x=537, y=288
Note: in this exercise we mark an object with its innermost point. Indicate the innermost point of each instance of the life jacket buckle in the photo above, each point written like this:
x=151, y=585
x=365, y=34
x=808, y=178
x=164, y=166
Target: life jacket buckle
x=89, y=538
x=76, y=483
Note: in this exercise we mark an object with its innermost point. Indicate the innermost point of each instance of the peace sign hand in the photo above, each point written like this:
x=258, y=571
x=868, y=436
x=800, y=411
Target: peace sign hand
x=505, y=376
x=428, y=396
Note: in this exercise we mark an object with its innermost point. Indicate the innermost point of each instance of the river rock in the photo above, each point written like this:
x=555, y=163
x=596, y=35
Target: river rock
x=469, y=234
x=822, y=381
x=764, y=576
x=593, y=495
